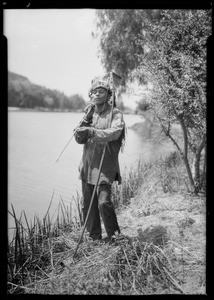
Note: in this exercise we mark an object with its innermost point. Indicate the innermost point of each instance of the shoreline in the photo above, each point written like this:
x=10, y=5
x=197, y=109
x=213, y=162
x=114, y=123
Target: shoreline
x=147, y=211
x=155, y=211
x=17, y=109
x=42, y=109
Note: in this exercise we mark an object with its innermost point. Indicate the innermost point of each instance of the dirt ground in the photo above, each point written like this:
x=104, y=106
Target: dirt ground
x=184, y=218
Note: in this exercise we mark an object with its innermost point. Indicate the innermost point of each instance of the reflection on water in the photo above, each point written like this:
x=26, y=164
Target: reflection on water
x=35, y=140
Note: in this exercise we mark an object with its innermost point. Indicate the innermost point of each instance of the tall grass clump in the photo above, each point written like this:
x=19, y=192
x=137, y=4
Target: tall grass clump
x=30, y=248
x=141, y=267
x=130, y=266
x=164, y=173
x=172, y=173
x=132, y=181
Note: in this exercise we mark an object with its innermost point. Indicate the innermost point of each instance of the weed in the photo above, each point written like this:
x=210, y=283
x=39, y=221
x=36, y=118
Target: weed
x=31, y=247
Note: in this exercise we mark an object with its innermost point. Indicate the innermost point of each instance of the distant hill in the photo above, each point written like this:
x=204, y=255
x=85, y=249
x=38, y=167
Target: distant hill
x=23, y=93
x=16, y=77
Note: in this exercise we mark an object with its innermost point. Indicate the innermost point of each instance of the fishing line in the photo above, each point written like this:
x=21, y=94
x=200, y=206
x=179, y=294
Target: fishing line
x=87, y=109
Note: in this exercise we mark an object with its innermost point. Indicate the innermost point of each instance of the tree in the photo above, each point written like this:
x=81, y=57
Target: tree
x=77, y=102
x=168, y=49
x=23, y=93
x=143, y=104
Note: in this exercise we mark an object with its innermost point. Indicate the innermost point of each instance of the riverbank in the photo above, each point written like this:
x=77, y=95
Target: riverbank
x=161, y=249
x=43, y=109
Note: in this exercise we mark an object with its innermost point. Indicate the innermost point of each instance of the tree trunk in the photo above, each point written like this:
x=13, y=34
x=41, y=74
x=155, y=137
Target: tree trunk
x=194, y=174
x=203, y=176
x=196, y=165
x=185, y=155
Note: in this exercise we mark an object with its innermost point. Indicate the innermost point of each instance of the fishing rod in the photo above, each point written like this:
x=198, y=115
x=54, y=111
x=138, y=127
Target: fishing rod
x=101, y=163
x=87, y=110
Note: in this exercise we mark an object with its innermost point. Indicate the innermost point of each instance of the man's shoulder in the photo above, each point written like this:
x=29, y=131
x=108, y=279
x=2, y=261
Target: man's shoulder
x=117, y=111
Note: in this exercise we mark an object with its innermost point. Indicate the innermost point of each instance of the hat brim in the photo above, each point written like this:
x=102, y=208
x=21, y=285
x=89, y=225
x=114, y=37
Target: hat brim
x=100, y=86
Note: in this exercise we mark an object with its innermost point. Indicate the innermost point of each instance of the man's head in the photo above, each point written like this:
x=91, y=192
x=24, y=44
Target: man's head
x=99, y=96
x=100, y=90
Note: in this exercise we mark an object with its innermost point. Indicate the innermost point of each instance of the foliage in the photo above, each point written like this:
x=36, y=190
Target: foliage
x=24, y=94
x=142, y=105
x=166, y=48
x=76, y=102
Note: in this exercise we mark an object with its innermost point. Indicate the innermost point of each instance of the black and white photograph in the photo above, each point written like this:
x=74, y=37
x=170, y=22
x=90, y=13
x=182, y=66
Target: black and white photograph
x=107, y=150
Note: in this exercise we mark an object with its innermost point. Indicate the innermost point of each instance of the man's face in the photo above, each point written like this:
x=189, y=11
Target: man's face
x=99, y=96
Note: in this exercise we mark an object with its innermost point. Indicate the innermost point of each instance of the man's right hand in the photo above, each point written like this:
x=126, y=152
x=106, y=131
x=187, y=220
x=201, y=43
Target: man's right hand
x=89, y=112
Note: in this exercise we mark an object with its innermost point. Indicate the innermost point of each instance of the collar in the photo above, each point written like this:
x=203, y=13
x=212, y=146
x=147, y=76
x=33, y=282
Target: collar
x=102, y=109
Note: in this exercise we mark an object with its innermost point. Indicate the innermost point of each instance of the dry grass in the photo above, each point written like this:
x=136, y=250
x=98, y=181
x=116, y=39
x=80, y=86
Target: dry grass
x=33, y=243
x=159, y=253
x=128, y=267
x=177, y=222
x=161, y=249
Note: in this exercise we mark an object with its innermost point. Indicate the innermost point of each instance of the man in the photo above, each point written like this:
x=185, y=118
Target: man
x=101, y=126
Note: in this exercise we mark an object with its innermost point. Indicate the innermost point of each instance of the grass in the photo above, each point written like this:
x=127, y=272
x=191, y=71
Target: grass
x=130, y=266
x=30, y=248
x=153, y=255
x=163, y=173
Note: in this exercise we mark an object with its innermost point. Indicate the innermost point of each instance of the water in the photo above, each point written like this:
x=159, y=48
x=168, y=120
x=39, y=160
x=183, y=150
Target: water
x=35, y=140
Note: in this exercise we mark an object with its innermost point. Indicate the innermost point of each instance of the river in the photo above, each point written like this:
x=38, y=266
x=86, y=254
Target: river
x=35, y=140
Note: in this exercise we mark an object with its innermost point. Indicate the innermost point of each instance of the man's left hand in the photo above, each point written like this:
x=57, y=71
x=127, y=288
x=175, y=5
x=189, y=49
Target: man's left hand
x=85, y=132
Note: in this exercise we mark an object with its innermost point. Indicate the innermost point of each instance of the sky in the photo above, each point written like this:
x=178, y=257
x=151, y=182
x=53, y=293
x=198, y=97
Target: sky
x=54, y=48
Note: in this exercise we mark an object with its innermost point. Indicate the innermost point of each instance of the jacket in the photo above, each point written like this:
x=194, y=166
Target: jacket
x=103, y=133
